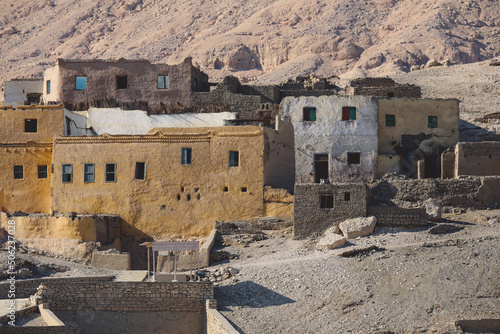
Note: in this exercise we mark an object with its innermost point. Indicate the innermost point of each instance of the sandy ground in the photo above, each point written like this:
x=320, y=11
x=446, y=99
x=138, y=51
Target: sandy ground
x=418, y=283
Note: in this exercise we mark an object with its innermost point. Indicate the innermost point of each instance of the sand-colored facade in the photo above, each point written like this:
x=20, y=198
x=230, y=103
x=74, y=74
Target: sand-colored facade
x=178, y=196
x=25, y=156
x=410, y=130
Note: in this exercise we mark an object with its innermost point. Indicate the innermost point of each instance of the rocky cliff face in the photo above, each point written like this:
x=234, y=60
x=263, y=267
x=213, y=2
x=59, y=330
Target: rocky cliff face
x=261, y=40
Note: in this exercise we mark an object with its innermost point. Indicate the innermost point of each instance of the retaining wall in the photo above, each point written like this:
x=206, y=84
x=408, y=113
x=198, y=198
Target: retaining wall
x=128, y=296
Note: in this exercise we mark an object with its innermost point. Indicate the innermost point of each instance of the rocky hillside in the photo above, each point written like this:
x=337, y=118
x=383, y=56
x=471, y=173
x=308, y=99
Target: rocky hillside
x=263, y=41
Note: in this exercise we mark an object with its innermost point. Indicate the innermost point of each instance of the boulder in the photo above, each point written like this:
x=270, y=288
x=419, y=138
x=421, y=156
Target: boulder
x=414, y=68
x=331, y=240
x=358, y=227
x=432, y=63
x=433, y=209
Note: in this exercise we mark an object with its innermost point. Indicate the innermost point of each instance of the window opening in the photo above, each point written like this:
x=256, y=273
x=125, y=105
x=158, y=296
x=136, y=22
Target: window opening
x=326, y=201
x=30, y=125
x=186, y=156
x=121, y=82
x=234, y=159
x=163, y=82
x=309, y=114
x=67, y=173
x=111, y=172
x=353, y=158
x=348, y=113
x=81, y=83
x=88, y=173
x=18, y=172
x=320, y=167
x=390, y=120
x=432, y=121
x=42, y=172
x=140, y=170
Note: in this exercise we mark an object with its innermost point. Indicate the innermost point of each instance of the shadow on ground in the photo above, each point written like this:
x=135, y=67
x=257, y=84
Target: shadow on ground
x=248, y=294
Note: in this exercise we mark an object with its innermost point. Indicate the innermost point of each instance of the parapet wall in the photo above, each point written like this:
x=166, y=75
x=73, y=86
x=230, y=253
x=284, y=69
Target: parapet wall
x=26, y=288
x=128, y=296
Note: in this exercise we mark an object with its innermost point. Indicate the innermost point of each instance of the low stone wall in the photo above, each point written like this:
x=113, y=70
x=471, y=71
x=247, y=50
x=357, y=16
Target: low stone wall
x=128, y=296
x=26, y=288
x=398, y=217
x=216, y=323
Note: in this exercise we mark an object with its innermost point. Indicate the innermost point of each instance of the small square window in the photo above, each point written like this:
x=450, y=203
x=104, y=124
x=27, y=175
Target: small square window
x=163, y=82
x=226, y=189
x=244, y=189
x=111, y=172
x=47, y=86
x=18, y=172
x=234, y=158
x=186, y=156
x=42, y=172
x=326, y=201
x=140, y=170
x=347, y=197
x=353, y=158
x=348, y=113
x=121, y=82
x=81, y=83
x=30, y=125
x=432, y=121
x=67, y=173
x=390, y=120
x=88, y=173
x=309, y=114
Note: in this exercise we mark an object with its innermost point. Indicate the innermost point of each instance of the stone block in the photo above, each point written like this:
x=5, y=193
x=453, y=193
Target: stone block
x=331, y=240
x=433, y=209
x=358, y=227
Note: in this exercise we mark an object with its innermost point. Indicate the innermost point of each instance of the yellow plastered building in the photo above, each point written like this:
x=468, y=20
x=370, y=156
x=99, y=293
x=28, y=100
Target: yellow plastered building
x=172, y=182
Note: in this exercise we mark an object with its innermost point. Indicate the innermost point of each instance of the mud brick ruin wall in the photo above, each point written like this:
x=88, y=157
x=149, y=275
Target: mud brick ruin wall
x=383, y=87
x=26, y=288
x=310, y=219
x=479, y=158
x=394, y=216
x=478, y=192
x=128, y=296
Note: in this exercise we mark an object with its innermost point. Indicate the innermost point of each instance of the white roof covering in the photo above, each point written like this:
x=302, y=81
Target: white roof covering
x=116, y=121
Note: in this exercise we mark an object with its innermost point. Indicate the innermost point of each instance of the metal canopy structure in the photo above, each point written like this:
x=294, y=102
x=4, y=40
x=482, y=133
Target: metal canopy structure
x=175, y=247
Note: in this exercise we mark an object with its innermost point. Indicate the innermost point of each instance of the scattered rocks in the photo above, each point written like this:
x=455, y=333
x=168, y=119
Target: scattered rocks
x=219, y=274
x=445, y=228
x=432, y=63
x=358, y=227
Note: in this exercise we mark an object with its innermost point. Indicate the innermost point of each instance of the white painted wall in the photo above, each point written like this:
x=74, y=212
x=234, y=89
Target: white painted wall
x=330, y=134
x=15, y=91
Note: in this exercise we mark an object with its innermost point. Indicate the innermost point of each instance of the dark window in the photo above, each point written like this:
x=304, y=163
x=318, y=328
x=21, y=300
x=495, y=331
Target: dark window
x=243, y=189
x=309, y=113
x=390, y=120
x=140, y=170
x=432, y=121
x=47, y=86
x=226, y=189
x=33, y=98
x=234, y=158
x=30, y=125
x=186, y=156
x=81, y=83
x=353, y=158
x=163, y=82
x=110, y=172
x=67, y=173
x=18, y=172
x=320, y=167
x=121, y=82
x=88, y=173
x=326, y=201
x=42, y=172
x=390, y=94
x=347, y=197
x=348, y=113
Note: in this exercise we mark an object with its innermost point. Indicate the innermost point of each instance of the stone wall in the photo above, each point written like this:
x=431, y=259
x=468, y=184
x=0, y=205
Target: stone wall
x=477, y=158
x=216, y=323
x=26, y=288
x=394, y=216
x=128, y=296
x=478, y=192
x=349, y=201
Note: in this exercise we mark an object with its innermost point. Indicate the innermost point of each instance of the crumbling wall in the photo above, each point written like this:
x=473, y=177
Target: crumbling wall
x=349, y=201
x=477, y=158
x=394, y=216
x=383, y=87
x=478, y=192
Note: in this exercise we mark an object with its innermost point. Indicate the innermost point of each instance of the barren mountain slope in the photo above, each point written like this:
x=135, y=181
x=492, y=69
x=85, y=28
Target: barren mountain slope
x=278, y=38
